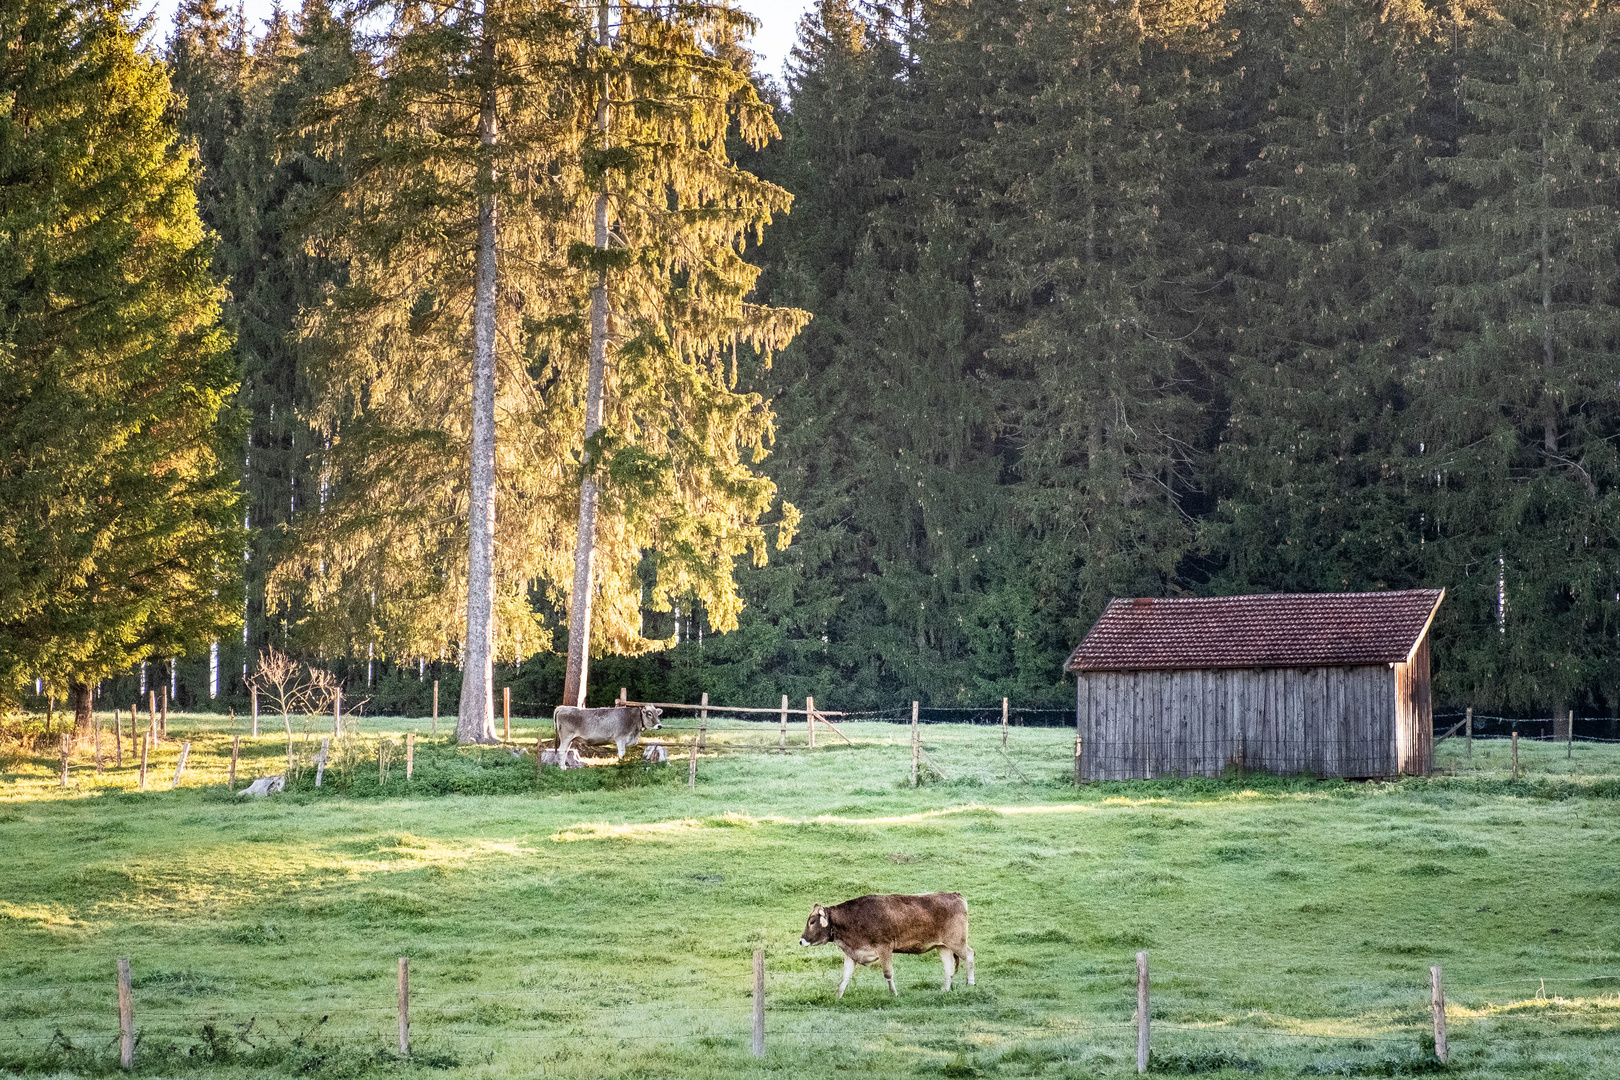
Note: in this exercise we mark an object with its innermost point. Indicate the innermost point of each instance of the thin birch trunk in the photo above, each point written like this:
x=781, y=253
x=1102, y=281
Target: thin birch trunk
x=476, y=719
x=577, y=674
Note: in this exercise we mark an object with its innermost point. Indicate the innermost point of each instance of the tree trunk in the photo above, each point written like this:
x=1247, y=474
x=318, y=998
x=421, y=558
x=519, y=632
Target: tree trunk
x=475, y=721
x=1549, y=427
x=79, y=700
x=577, y=674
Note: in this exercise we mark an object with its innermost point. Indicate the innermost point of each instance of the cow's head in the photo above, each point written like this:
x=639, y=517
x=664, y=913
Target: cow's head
x=649, y=717
x=815, y=928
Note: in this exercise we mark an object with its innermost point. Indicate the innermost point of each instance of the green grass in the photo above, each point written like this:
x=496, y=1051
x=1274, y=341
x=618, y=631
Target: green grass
x=600, y=922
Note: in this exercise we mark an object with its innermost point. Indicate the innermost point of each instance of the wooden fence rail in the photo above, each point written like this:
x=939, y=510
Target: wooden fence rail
x=784, y=710
x=129, y=1041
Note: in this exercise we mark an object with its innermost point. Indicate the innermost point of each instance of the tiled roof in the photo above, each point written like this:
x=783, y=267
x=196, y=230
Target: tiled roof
x=1273, y=630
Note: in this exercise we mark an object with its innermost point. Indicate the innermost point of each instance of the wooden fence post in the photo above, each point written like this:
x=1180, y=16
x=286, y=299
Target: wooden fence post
x=185, y=751
x=126, y=1017
x=337, y=712
x=1142, y=1012
x=1468, y=731
x=435, y=706
x=1437, y=1001
x=67, y=744
x=151, y=712
x=255, y=729
x=146, y=741
x=404, y=1007
x=236, y=748
x=810, y=720
x=1004, y=723
x=1569, y=747
x=506, y=710
x=691, y=769
x=784, y=724
x=759, y=1002
x=1079, y=746
x=1515, y=754
x=410, y=753
x=118, y=741
x=133, y=710
x=163, y=712
x=916, y=745
x=703, y=723
x=624, y=695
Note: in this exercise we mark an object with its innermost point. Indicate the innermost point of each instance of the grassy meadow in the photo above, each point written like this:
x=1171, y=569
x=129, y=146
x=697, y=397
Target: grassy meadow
x=600, y=922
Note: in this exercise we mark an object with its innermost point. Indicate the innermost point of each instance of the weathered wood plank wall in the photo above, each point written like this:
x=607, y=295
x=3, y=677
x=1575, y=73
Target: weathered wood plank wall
x=1415, y=712
x=1325, y=721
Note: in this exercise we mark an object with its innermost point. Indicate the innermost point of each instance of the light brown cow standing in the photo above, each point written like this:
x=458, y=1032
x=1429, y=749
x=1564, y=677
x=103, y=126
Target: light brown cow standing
x=871, y=929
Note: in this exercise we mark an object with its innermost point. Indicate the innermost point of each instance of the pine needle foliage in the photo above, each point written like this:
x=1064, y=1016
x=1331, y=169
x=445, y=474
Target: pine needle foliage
x=1519, y=394
x=239, y=96
x=1317, y=336
x=118, y=540
x=384, y=558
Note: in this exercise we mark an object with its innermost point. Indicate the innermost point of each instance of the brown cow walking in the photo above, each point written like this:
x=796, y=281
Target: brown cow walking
x=871, y=929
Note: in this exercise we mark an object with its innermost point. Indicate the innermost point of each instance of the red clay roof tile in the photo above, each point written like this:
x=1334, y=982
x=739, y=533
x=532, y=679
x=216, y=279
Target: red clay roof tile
x=1266, y=631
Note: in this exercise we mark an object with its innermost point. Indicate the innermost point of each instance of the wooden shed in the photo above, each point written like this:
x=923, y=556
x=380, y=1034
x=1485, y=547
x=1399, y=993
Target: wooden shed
x=1319, y=684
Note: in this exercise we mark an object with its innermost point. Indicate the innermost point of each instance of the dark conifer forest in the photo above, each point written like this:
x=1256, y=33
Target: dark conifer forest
x=1157, y=298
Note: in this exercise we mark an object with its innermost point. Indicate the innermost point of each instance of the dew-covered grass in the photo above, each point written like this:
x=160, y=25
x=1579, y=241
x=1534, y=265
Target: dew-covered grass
x=600, y=922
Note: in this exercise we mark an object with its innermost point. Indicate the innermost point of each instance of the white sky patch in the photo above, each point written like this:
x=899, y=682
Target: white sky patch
x=778, y=24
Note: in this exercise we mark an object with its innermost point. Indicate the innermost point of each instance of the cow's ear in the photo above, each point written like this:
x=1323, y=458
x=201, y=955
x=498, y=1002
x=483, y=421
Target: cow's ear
x=823, y=916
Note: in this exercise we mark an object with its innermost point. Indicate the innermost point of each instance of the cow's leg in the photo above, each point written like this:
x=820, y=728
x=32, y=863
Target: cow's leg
x=849, y=969
x=562, y=746
x=620, y=742
x=967, y=962
x=887, y=958
x=948, y=958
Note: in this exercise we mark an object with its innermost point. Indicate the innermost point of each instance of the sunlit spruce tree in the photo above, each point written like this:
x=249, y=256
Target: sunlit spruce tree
x=119, y=539
x=670, y=438
x=1517, y=402
x=474, y=160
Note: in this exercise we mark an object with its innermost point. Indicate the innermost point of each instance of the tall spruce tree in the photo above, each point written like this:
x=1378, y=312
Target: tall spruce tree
x=1088, y=282
x=119, y=539
x=669, y=439
x=1518, y=399
x=844, y=151
x=239, y=99
x=473, y=173
x=1319, y=327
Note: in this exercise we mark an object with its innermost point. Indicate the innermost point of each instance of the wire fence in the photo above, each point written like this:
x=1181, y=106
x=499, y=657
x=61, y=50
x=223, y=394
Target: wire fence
x=89, y=1018
x=974, y=754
